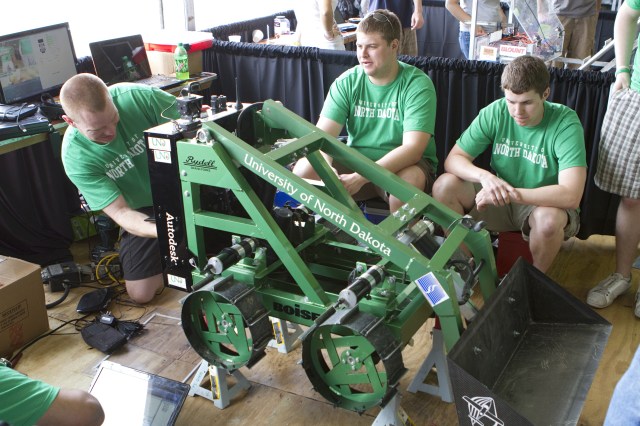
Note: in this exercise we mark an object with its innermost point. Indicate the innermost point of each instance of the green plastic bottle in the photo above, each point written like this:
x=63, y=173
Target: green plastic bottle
x=181, y=60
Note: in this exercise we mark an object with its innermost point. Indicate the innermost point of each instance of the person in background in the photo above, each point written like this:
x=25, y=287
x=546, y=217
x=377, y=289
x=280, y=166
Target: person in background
x=539, y=157
x=624, y=407
x=350, y=8
x=410, y=14
x=389, y=109
x=490, y=18
x=317, y=25
x=27, y=402
x=104, y=155
x=579, y=19
x=618, y=159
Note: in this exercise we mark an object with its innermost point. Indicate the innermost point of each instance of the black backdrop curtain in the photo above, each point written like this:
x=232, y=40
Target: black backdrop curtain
x=300, y=77
x=36, y=202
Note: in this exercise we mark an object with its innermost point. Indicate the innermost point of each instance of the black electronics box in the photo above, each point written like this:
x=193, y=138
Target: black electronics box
x=61, y=273
x=529, y=356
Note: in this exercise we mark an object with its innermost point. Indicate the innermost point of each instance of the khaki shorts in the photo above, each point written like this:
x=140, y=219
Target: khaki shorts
x=515, y=217
x=369, y=190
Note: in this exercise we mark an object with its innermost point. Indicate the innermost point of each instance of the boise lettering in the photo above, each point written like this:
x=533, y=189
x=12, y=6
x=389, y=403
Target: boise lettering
x=295, y=311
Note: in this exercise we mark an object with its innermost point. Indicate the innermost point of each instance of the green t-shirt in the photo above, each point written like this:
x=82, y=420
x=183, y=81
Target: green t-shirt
x=527, y=157
x=103, y=172
x=24, y=400
x=377, y=116
x=635, y=76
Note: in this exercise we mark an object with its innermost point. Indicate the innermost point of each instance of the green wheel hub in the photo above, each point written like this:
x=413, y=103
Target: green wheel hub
x=355, y=363
x=228, y=327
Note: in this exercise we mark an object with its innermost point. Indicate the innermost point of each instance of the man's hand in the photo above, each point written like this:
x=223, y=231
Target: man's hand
x=352, y=182
x=623, y=81
x=495, y=191
x=417, y=20
x=480, y=31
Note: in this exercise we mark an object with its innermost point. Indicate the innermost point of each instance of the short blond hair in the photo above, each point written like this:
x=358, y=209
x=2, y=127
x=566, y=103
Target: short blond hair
x=84, y=92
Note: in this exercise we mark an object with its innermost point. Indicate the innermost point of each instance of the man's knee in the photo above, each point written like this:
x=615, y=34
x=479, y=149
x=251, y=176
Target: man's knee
x=630, y=203
x=144, y=290
x=447, y=186
x=548, y=222
x=415, y=176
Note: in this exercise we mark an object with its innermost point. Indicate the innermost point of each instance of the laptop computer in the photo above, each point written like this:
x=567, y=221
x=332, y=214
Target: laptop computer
x=125, y=59
x=133, y=397
x=343, y=26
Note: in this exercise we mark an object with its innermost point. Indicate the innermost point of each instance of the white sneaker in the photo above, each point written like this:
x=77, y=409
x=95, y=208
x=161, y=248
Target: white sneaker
x=607, y=290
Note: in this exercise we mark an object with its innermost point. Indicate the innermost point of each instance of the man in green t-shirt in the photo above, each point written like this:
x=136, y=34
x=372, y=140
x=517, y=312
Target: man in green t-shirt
x=26, y=401
x=539, y=158
x=104, y=155
x=389, y=109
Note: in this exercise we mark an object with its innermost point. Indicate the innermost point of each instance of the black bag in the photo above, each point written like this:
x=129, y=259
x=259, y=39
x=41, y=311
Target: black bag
x=17, y=112
x=103, y=337
x=37, y=123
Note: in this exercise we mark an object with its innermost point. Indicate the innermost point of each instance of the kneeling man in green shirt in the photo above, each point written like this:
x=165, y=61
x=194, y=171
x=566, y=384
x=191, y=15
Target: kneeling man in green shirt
x=539, y=158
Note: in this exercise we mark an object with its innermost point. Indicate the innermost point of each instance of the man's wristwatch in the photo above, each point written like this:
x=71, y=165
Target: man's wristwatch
x=6, y=362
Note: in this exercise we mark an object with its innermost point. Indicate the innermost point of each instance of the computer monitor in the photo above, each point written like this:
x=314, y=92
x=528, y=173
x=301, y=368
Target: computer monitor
x=34, y=62
x=120, y=59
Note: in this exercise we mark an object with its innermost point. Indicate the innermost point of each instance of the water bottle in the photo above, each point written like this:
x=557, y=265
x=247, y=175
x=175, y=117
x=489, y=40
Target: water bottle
x=130, y=72
x=285, y=25
x=181, y=60
x=281, y=26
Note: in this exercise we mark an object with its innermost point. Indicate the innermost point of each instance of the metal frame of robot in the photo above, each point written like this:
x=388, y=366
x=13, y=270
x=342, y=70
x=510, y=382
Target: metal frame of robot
x=393, y=299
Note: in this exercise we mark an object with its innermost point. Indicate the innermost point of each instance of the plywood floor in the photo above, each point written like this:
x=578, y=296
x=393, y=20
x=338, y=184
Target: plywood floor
x=281, y=393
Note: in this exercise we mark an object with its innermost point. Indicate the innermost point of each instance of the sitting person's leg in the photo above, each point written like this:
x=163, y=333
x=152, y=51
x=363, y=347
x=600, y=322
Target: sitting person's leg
x=549, y=227
x=304, y=169
x=455, y=193
x=420, y=175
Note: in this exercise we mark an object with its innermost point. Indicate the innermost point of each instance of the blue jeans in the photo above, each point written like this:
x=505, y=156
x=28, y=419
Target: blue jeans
x=464, y=38
x=624, y=408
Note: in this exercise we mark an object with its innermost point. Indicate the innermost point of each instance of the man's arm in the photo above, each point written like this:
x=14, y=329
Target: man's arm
x=504, y=21
x=73, y=407
x=414, y=143
x=327, y=19
x=567, y=194
x=130, y=220
x=333, y=128
x=624, y=33
x=498, y=191
x=417, y=20
x=453, y=6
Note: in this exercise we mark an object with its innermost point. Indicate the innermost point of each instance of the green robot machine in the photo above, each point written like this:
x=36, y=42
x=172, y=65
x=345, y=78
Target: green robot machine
x=362, y=290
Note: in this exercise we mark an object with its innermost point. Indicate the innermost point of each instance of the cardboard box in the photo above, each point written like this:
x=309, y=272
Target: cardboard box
x=161, y=45
x=23, y=314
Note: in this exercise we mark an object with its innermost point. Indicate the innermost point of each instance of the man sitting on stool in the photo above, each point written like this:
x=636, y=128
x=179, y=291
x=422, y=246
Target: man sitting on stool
x=538, y=154
x=389, y=109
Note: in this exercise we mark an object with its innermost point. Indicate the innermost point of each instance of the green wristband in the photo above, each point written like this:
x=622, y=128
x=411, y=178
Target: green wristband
x=623, y=70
